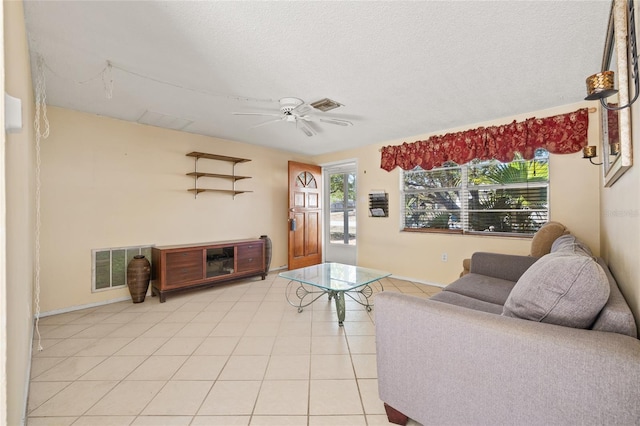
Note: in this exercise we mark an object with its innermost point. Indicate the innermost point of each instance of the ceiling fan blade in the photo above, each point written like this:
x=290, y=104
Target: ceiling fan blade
x=306, y=129
x=257, y=113
x=267, y=122
x=336, y=121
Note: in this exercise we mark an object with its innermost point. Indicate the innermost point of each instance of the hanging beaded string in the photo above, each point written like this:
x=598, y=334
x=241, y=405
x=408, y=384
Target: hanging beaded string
x=106, y=74
x=40, y=133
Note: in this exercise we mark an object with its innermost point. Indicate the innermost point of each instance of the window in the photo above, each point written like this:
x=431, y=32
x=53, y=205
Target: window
x=110, y=266
x=306, y=180
x=342, y=198
x=481, y=196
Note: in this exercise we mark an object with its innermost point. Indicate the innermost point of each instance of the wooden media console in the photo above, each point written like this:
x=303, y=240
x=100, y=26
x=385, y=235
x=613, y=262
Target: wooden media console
x=183, y=267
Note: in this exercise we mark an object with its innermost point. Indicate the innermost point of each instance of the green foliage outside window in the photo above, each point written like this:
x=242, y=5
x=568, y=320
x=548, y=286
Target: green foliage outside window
x=482, y=196
x=342, y=197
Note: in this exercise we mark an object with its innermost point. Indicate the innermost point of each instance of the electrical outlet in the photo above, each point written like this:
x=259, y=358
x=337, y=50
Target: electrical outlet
x=444, y=257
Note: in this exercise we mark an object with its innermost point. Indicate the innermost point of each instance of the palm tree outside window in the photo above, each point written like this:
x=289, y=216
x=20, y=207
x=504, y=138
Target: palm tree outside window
x=478, y=197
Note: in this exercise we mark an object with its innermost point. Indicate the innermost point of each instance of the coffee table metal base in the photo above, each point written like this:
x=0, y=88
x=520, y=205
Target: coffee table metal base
x=307, y=294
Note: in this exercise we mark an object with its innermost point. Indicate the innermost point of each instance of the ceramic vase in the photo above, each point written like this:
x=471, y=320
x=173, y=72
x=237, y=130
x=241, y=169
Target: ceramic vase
x=267, y=252
x=138, y=276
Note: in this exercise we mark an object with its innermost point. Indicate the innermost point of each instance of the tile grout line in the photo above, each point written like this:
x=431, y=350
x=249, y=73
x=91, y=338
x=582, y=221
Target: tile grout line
x=273, y=288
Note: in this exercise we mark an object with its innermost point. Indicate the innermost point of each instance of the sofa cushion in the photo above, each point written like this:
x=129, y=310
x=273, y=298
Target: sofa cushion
x=545, y=236
x=508, y=267
x=482, y=287
x=566, y=288
x=616, y=316
x=466, y=302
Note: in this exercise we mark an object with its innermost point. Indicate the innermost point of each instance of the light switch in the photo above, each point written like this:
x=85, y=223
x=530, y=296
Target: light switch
x=12, y=114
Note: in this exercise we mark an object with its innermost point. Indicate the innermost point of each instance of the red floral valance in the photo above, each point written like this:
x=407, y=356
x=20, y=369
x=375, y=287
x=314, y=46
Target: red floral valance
x=560, y=134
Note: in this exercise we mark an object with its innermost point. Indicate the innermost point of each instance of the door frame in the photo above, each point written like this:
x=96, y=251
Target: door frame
x=337, y=253
x=3, y=241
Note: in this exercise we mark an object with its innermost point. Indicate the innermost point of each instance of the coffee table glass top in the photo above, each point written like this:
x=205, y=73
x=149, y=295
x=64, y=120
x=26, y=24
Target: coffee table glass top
x=334, y=276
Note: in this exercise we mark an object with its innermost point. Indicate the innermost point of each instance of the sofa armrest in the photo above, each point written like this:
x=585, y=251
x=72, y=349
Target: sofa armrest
x=505, y=266
x=444, y=364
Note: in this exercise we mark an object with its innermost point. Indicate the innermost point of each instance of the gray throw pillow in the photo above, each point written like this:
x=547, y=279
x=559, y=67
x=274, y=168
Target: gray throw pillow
x=564, y=288
x=570, y=244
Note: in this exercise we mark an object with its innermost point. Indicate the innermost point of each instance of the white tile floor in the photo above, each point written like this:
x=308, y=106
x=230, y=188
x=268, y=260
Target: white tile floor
x=236, y=354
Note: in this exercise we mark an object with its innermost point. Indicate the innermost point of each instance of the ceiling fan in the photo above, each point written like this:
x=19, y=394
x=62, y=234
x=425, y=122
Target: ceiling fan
x=294, y=110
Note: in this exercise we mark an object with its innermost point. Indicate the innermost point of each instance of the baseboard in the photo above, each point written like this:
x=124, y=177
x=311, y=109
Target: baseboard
x=278, y=268
x=125, y=298
x=415, y=280
x=80, y=307
x=108, y=302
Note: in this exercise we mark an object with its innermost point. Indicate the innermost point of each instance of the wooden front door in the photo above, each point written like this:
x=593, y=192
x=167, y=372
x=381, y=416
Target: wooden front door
x=305, y=215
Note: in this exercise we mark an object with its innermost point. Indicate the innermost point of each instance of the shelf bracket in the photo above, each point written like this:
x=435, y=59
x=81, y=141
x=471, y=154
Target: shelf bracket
x=233, y=172
x=195, y=177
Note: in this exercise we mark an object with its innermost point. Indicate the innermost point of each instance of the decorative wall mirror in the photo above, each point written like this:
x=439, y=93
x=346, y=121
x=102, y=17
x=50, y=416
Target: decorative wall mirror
x=616, y=125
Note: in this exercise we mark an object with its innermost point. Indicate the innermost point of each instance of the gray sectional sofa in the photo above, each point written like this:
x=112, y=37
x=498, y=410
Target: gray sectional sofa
x=519, y=340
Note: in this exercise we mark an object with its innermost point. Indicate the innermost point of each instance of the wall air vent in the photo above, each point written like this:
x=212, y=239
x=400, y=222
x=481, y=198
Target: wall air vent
x=326, y=104
x=109, y=266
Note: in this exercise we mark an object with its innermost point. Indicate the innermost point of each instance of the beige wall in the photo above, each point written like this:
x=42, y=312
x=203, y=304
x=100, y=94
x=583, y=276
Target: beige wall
x=381, y=244
x=621, y=231
x=110, y=183
x=620, y=222
x=20, y=219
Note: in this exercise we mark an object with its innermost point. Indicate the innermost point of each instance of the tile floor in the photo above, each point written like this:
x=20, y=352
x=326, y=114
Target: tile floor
x=236, y=354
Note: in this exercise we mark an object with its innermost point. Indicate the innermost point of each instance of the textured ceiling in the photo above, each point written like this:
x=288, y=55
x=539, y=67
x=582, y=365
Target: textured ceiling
x=400, y=68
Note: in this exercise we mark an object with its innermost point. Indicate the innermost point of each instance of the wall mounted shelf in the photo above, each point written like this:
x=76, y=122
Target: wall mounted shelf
x=232, y=177
x=228, y=191
x=217, y=175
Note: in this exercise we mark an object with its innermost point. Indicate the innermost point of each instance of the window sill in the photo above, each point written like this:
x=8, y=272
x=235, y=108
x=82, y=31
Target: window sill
x=499, y=234
x=461, y=232
x=434, y=231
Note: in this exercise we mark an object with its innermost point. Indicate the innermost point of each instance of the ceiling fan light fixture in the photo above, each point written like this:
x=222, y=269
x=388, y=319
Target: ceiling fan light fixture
x=326, y=104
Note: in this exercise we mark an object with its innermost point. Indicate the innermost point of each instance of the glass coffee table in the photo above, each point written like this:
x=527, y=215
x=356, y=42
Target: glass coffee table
x=306, y=285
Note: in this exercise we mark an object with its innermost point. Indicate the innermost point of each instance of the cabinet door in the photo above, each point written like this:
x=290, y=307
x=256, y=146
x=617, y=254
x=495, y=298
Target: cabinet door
x=183, y=267
x=250, y=257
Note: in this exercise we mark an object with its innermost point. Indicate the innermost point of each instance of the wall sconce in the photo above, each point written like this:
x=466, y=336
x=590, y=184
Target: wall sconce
x=614, y=148
x=590, y=152
x=601, y=85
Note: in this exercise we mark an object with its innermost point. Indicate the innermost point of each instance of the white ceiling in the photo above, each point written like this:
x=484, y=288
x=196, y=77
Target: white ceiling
x=400, y=68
